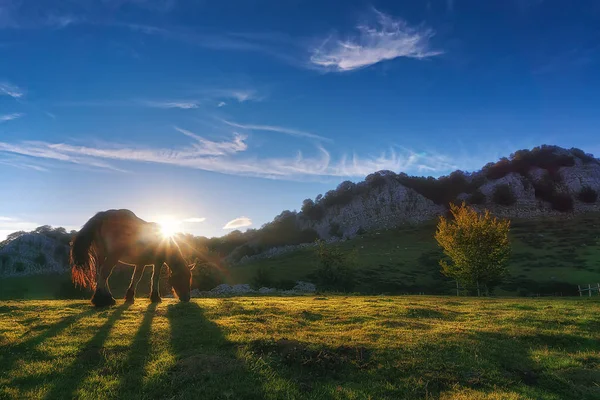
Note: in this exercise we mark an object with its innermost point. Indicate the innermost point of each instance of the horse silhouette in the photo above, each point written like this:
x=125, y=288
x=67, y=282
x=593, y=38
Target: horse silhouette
x=119, y=236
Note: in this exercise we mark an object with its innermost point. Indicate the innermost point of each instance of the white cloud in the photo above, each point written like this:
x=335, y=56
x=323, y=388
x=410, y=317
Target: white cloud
x=221, y=104
x=230, y=157
x=208, y=147
x=10, y=117
x=11, y=90
x=238, y=223
x=9, y=225
x=194, y=220
x=240, y=95
x=279, y=129
x=388, y=39
x=186, y=105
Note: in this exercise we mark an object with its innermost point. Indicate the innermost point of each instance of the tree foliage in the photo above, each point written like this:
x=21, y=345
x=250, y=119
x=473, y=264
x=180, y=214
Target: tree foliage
x=476, y=244
x=335, y=271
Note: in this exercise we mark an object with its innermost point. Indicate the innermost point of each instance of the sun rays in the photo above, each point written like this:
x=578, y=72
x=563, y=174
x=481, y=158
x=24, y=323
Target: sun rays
x=169, y=227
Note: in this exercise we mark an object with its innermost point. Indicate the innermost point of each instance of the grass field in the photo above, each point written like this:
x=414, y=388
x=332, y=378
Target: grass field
x=548, y=255
x=380, y=347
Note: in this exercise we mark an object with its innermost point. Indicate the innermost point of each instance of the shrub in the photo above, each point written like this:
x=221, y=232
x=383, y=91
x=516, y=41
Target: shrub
x=40, y=259
x=561, y=202
x=206, y=276
x=335, y=230
x=477, y=245
x=311, y=210
x=285, y=284
x=67, y=290
x=262, y=278
x=587, y=195
x=335, y=270
x=586, y=158
x=19, y=266
x=477, y=197
x=503, y=195
x=546, y=157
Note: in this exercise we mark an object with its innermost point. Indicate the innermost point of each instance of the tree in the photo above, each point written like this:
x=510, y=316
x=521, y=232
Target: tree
x=335, y=269
x=477, y=245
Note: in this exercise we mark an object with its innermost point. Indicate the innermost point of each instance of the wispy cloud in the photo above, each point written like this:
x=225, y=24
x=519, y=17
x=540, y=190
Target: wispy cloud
x=10, y=117
x=387, y=39
x=11, y=90
x=211, y=148
x=278, y=129
x=171, y=104
x=231, y=157
x=194, y=220
x=240, y=222
x=221, y=104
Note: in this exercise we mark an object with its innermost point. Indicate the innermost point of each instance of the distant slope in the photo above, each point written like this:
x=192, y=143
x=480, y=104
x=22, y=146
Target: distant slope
x=547, y=181
x=551, y=254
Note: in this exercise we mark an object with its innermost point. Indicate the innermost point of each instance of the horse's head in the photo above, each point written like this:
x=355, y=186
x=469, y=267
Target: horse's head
x=180, y=274
x=180, y=279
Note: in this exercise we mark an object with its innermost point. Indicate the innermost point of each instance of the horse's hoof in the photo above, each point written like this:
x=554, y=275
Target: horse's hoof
x=103, y=299
x=130, y=296
x=155, y=298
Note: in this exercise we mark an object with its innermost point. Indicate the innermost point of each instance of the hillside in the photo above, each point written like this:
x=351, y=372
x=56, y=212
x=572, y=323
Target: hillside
x=550, y=255
x=547, y=181
x=549, y=192
x=349, y=347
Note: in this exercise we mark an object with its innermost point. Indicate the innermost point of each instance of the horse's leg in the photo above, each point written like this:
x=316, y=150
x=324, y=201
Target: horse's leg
x=102, y=296
x=138, y=272
x=154, y=294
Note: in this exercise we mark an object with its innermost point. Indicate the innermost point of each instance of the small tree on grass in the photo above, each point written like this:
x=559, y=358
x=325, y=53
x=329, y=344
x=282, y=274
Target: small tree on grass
x=335, y=269
x=477, y=245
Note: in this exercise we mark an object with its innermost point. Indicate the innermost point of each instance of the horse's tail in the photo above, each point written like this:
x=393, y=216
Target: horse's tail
x=84, y=253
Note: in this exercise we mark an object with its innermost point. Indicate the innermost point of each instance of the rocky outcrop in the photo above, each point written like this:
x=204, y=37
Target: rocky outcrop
x=31, y=254
x=382, y=207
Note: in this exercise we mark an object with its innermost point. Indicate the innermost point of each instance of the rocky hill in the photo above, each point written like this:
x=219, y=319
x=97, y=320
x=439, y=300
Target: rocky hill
x=42, y=251
x=544, y=181
x=570, y=184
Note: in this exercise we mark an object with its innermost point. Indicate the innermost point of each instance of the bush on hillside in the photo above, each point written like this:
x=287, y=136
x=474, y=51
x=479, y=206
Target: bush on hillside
x=547, y=157
x=262, y=278
x=477, y=197
x=587, y=195
x=335, y=269
x=206, y=276
x=335, y=230
x=562, y=202
x=311, y=210
x=586, y=158
x=503, y=195
x=67, y=290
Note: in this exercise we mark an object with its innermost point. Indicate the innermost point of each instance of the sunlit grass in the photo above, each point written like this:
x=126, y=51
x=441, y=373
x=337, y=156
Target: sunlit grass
x=375, y=347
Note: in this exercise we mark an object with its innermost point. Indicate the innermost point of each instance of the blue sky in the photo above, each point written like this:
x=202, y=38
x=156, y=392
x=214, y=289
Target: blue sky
x=222, y=114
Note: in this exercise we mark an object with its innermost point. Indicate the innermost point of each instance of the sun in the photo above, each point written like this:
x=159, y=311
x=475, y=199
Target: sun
x=168, y=227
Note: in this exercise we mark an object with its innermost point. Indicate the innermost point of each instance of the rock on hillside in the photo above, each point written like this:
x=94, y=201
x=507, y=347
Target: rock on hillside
x=547, y=180
x=382, y=207
x=31, y=254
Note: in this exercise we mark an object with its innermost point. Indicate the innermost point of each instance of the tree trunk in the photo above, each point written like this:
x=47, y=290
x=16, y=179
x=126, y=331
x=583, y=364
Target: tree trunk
x=478, y=290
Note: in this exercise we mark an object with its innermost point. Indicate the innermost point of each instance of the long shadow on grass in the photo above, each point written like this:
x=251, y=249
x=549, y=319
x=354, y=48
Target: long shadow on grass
x=26, y=349
x=206, y=364
x=492, y=361
x=88, y=359
x=131, y=384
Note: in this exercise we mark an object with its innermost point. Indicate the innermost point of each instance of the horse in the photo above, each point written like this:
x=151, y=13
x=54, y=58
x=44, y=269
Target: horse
x=119, y=236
